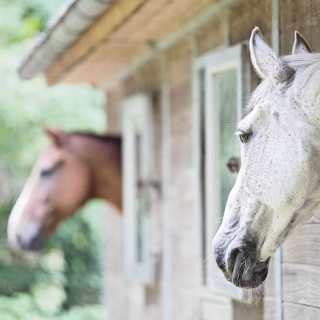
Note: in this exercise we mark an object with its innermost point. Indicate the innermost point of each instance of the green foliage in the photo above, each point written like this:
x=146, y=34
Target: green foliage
x=69, y=271
x=62, y=283
x=82, y=242
x=26, y=107
x=93, y=312
x=22, y=307
x=22, y=19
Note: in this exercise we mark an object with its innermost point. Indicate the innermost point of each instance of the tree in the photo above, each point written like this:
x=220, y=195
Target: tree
x=26, y=107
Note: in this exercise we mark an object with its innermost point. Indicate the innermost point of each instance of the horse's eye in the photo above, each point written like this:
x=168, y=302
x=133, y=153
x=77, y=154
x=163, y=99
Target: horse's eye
x=244, y=136
x=44, y=173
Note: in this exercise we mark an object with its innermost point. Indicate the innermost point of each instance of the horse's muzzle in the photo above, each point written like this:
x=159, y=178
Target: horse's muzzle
x=244, y=270
x=32, y=243
x=241, y=266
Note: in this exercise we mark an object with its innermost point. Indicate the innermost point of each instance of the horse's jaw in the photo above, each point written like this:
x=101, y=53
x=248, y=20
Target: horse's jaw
x=247, y=239
x=282, y=228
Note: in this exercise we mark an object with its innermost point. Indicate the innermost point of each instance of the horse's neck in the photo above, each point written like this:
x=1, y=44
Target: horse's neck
x=104, y=158
x=107, y=174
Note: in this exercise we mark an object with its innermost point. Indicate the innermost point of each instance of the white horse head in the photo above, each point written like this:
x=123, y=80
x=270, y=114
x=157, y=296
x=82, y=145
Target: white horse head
x=278, y=185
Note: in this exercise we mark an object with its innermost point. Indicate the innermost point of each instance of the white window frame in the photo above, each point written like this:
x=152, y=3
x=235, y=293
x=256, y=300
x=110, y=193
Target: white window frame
x=137, y=118
x=236, y=58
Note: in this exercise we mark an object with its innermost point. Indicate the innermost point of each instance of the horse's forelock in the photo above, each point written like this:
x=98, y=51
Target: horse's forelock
x=257, y=96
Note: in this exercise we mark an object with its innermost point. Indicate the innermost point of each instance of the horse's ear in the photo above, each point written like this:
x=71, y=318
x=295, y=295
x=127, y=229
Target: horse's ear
x=300, y=45
x=264, y=60
x=57, y=136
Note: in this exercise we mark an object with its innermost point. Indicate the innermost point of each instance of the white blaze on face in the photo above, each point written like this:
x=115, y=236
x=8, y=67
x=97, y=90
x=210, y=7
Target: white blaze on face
x=15, y=226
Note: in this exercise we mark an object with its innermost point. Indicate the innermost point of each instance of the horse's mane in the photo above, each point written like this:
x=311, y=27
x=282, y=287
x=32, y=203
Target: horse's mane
x=301, y=60
x=100, y=137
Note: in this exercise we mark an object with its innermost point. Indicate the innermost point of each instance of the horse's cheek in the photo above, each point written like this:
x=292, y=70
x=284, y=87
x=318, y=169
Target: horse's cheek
x=73, y=190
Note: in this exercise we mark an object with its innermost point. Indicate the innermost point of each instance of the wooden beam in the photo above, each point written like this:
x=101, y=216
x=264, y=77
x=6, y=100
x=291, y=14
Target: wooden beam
x=167, y=286
x=97, y=34
x=279, y=254
x=171, y=39
x=191, y=13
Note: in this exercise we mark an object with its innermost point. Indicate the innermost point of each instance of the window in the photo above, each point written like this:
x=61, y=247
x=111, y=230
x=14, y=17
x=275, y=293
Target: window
x=225, y=93
x=137, y=170
x=220, y=87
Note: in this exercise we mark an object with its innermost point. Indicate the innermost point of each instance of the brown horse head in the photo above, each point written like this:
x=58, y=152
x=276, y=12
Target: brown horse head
x=74, y=168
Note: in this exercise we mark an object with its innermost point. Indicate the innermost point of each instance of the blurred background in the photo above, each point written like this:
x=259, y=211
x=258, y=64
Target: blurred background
x=52, y=286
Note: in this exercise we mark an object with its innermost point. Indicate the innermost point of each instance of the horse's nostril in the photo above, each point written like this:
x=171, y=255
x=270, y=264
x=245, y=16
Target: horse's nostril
x=36, y=242
x=231, y=260
x=33, y=243
x=220, y=262
x=219, y=255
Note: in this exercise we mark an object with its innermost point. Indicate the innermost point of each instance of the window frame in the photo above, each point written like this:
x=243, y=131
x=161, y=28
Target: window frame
x=208, y=65
x=137, y=118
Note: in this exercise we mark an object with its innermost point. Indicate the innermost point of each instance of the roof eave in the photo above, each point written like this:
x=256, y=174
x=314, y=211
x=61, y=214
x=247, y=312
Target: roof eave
x=74, y=19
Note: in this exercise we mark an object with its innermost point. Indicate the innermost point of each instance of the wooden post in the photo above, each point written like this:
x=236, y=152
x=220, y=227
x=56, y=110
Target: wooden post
x=166, y=174
x=278, y=257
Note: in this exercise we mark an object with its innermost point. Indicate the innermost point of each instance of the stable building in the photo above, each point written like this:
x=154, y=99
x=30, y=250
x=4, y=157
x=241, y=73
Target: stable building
x=177, y=77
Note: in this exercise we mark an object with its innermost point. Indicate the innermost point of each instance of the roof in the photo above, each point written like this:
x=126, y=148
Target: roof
x=98, y=41
x=75, y=17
